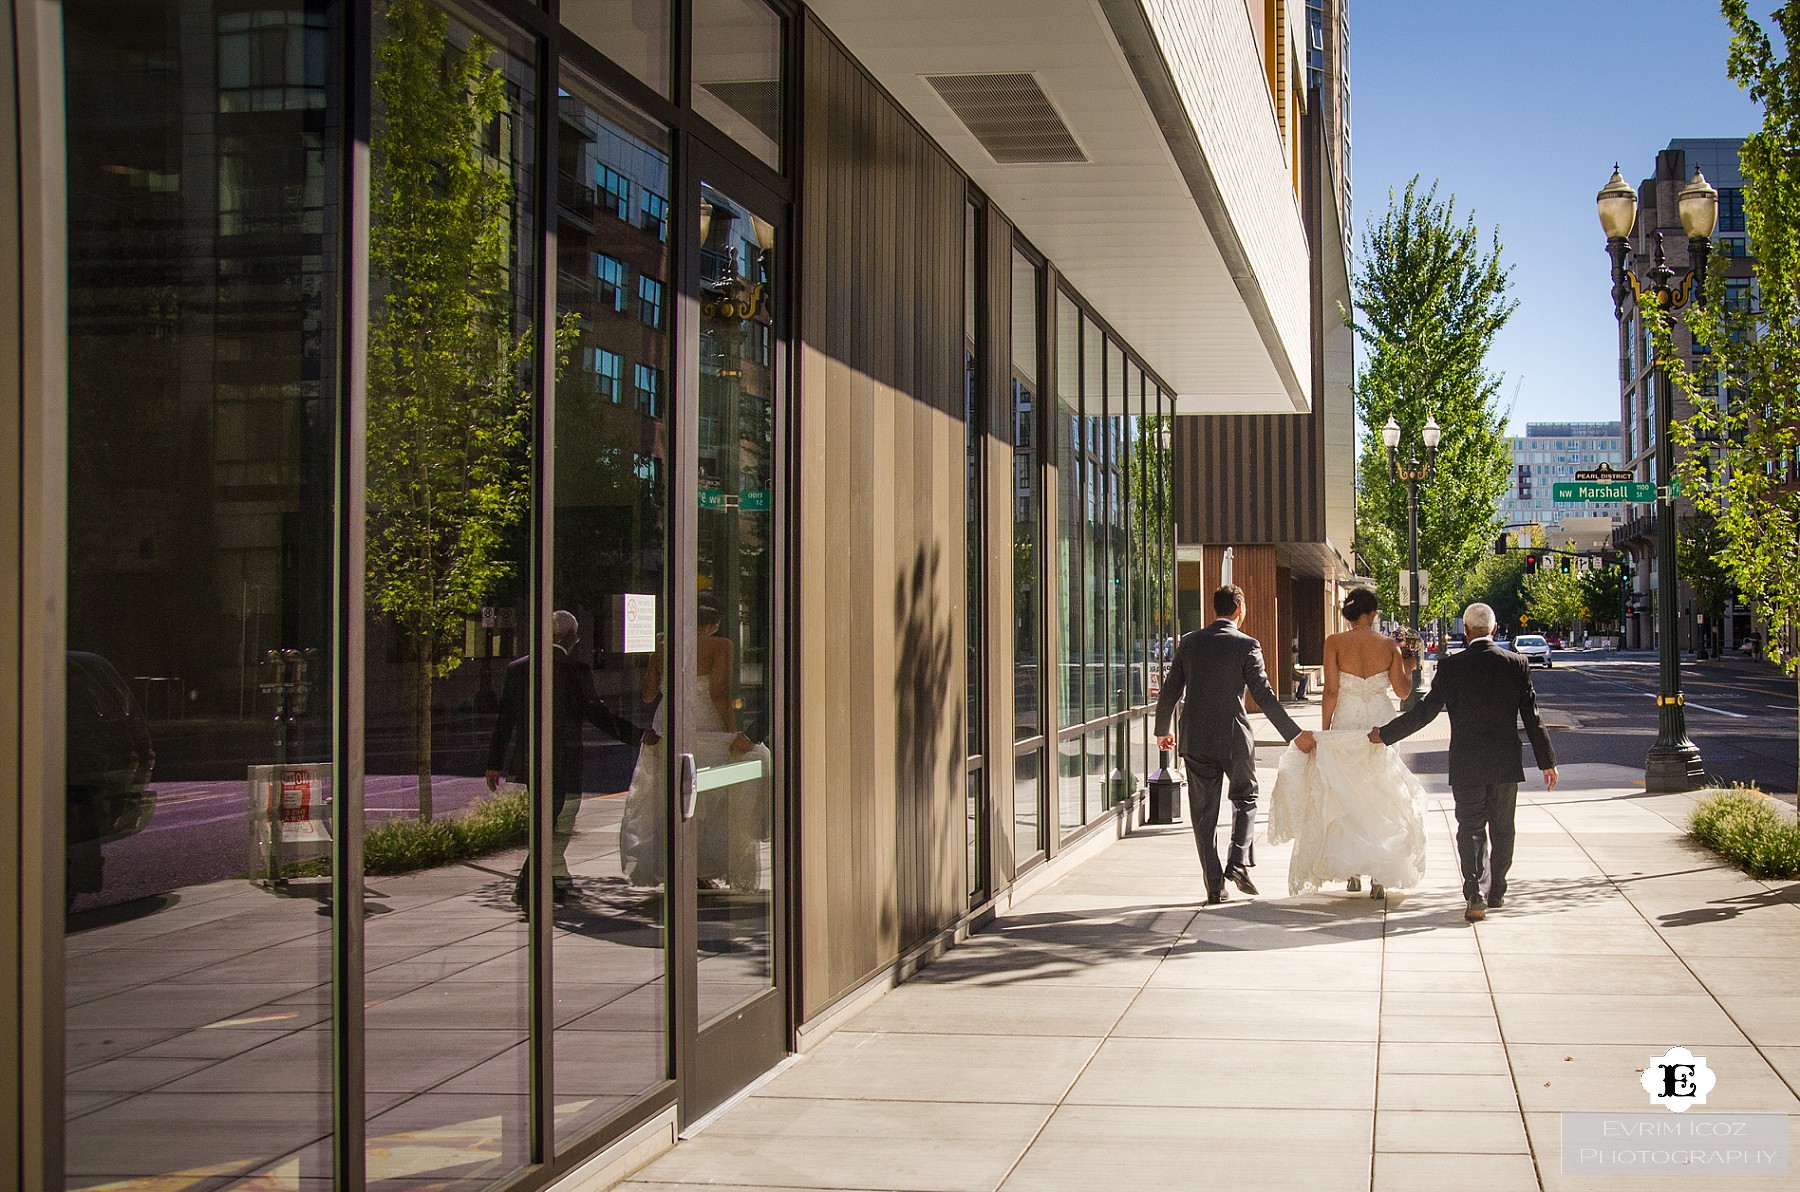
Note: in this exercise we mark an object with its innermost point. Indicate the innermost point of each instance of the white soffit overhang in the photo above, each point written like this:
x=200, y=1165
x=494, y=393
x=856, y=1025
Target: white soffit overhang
x=1193, y=251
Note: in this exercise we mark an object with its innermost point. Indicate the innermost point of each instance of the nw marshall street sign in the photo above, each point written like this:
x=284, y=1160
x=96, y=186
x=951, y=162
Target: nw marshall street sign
x=1623, y=490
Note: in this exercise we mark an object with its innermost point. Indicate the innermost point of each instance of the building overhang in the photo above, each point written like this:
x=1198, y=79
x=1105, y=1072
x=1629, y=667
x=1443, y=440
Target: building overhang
x=1180, y=223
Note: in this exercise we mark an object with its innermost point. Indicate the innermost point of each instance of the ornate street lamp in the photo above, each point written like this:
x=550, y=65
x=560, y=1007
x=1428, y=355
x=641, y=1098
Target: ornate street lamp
x=1413, y=471
x=1674, y=762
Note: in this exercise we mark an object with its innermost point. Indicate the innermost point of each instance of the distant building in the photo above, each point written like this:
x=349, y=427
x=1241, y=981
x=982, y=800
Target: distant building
x=1549, y=452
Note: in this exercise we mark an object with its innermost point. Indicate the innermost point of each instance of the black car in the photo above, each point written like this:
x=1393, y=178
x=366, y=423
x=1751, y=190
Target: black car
x=108, y=760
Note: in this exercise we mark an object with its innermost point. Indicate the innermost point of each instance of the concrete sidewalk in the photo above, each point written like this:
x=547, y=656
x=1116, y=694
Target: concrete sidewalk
x=1110, y=1033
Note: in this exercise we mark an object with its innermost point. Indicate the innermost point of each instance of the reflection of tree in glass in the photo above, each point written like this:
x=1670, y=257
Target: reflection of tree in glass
x=449, y=414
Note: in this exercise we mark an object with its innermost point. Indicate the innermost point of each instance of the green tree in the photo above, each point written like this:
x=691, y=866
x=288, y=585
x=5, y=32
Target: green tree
x=1741, y=461
x=1602, y=591
x=1429, y=300
x=1498, y=581
x=449, y=400
x=1700, y=549
x=1552, y=596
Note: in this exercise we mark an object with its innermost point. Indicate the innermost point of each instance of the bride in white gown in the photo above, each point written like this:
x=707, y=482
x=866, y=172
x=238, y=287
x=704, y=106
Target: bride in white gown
x=1352, y=807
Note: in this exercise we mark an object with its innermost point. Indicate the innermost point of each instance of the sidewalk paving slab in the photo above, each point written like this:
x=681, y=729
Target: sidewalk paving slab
x=1112, y=1032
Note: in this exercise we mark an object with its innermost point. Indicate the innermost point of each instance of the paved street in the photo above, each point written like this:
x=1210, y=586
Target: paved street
x=1110, y=1032
x=1739, y=713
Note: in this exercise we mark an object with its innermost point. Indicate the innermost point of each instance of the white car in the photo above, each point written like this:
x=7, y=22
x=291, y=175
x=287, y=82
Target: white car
x=1534, y=648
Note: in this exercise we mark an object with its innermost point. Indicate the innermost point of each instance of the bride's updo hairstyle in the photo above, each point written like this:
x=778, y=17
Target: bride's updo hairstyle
x=1360, y=603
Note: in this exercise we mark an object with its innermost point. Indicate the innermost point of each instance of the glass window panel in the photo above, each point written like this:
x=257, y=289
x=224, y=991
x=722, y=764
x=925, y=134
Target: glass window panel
x=1160, y=439
x=1028, y=831
x=608, y=854
x=1142, y=543
x=449, y=668
x=973, y=489
x=1099, y=771
x=1070, y=784
x=1070, y=456
x=972, y=830
x=1027, y=504
x=1120, y=398
x=737, y=73
x=632, y=33
x=202, y=409
x=734, y=704
x=1091, y=464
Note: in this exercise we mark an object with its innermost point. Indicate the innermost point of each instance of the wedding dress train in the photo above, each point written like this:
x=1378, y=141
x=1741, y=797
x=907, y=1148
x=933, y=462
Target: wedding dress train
x=1350, y=807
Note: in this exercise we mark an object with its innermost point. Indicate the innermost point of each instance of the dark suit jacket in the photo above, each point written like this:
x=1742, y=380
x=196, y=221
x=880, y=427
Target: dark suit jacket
x=1213, y=668
x=573, y=706
x=1487, y=691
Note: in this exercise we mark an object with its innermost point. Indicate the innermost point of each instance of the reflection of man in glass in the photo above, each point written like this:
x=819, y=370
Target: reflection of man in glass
x=573, y=705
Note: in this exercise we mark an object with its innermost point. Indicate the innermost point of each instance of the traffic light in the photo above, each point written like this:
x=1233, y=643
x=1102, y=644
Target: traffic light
x=1500, y=545
x=1531, y=564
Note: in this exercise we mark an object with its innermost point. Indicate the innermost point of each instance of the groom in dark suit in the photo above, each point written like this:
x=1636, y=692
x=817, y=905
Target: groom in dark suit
x=1213, y=667
x=1487, y=691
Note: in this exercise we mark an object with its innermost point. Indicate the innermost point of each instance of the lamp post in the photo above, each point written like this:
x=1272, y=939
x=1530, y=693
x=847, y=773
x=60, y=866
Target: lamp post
x=1674, y=762
x=1413, y=471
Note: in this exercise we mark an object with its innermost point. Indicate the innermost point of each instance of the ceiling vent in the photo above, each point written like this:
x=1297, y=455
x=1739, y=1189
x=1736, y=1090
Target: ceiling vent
x=1010, y=115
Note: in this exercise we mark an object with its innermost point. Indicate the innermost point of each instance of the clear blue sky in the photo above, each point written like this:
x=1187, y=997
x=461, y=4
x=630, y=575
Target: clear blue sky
x=1520, y=108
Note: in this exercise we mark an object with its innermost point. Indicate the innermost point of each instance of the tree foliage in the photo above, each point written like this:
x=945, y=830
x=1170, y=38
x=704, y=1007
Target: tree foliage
x=1602, y=591
x=1553, y=596
x=1700, y=551
x=449, y=400
x=1430, y=297
x=1742, y=457
x=1498, y=581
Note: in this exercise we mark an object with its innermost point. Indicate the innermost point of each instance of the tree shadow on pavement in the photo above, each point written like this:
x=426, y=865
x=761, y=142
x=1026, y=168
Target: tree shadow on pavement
x=1721, y=910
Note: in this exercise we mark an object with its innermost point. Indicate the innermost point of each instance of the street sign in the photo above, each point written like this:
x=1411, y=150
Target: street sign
x=1605, y=474
x=755, y=500
x=1635, y=491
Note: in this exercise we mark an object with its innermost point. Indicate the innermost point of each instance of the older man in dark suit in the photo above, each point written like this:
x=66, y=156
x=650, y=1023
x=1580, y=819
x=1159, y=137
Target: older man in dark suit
x=1213, y=668
x=1487, y=692
x=574, y=704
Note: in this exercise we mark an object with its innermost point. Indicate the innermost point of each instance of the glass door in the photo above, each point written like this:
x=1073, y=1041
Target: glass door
x=728, y=741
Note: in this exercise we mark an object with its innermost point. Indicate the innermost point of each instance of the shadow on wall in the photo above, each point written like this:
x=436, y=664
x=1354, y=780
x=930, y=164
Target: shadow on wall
x=928, y=785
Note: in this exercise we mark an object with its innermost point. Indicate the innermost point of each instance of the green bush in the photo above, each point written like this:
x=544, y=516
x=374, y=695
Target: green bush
x=1750, y=830
x=491, y=823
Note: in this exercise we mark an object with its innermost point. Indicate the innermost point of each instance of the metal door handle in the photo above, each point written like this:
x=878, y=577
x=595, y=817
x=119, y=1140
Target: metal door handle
x=690, y=787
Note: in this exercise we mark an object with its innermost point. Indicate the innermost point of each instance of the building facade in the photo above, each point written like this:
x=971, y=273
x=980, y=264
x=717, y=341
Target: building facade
x=1549, y=452
x=1267, y=501
x=562, y=548
x=1642, y=387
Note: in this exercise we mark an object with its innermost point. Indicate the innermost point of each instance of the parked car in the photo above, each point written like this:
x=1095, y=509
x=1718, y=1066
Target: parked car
x=1452, y=645
x=1555, y=640
x=1535, y=649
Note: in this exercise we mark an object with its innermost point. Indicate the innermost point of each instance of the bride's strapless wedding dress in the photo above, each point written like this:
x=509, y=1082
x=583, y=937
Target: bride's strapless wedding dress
x=733, y=820
x=1351, y=807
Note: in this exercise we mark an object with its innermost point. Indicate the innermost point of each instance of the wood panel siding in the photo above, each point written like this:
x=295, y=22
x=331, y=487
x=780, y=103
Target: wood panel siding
x=1250, y=478
x=881, y=630
x=1254, y=569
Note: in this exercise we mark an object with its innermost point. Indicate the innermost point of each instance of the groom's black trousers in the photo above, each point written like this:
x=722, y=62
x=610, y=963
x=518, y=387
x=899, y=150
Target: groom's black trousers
x=1484, y=818
x=1206, y=781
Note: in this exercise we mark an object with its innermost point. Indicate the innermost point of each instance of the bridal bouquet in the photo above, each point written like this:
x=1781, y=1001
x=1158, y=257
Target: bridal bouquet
x=1409, y=644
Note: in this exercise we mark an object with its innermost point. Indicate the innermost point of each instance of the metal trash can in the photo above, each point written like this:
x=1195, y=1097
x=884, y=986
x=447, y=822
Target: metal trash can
x=1165, y=792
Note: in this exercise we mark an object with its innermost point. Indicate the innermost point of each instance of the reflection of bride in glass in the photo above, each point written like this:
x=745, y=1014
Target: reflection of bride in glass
x=732, y=820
